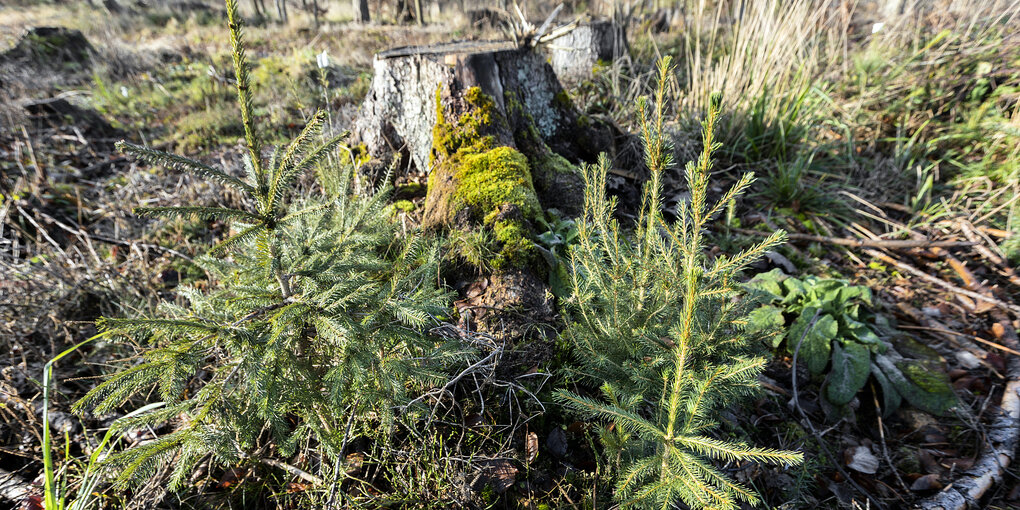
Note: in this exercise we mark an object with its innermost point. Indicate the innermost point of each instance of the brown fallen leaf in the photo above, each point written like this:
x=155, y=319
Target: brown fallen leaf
x=293, y=487
x=233, y=476
x=928, y=462
x=926, y=483
x=531, y=447
x=501, y=474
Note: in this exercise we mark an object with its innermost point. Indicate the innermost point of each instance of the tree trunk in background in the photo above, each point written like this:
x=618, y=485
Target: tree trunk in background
x=891, y=8
x=281, y=10
x=255, y=7
x=497, y=133
x=418, y=12
x=574, y=55
x=361, y=13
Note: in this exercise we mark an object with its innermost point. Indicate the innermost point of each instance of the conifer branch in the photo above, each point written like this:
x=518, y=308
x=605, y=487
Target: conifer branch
x=182, y=164
x=244, y=94
x=205, y=213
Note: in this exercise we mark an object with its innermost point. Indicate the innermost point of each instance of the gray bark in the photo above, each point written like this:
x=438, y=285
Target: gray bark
x=1002, y=436
x=14, y=488
x=400, y=109
x=574, y=55
x=361, y=13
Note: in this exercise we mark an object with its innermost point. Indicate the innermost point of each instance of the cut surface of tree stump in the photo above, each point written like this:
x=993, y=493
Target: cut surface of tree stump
x=499, y=138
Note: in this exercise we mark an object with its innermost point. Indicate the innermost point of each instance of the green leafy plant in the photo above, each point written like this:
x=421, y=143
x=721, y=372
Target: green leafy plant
x=314, y=316
x=655, y=327
x=554, y=245
x=831, y=321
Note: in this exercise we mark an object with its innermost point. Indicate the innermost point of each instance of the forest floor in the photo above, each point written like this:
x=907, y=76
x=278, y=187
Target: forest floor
x=894, y=165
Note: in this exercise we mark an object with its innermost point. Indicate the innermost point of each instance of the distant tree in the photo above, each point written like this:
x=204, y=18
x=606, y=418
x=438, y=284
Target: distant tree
x=281, y=10
x=361, y=14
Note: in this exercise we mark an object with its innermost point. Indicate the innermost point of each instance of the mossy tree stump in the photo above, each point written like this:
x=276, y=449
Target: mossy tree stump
x=500, y=140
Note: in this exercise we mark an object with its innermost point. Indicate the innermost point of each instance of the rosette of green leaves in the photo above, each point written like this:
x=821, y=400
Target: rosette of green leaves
x=838, y=335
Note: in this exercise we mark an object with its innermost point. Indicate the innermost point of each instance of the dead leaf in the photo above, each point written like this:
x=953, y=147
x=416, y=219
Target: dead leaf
x=926, y=483
x=293, y=487
x=928, y=462
x=353, y=462
x=232, y=477
x=531, y=447
x=779, y=260
x=996, y=362
x=860, y=459
x=501, y=474
x=557, y=442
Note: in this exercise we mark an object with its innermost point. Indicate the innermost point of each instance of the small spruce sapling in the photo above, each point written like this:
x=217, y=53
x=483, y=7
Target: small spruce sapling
x=657, y=328
x=315, y=315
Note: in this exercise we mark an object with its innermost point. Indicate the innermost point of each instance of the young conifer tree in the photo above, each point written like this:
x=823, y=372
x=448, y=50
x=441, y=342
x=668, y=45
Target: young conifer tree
x=314, y=316
x=657, y=326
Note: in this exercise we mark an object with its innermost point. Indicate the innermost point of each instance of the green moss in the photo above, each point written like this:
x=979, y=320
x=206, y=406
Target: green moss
x=361, y=154
x=552, y=164
x=562, y=100
x=468, y=132
x=925, y=377
x=518, y=249
x=545, y=163
x=487, y=180
x=403, y=205
x=409, y=190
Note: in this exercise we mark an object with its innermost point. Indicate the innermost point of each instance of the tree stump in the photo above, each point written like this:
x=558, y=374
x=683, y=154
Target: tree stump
x=499, y=138
x=574, y=55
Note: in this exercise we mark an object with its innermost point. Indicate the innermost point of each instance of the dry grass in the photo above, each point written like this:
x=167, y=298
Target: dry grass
x=748, y=49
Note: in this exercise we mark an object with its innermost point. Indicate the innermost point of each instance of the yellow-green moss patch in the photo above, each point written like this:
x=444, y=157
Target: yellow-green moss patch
x=448, y=138
x=404, y=205
x=517, y=248
x=489, y=186
x=492, y=178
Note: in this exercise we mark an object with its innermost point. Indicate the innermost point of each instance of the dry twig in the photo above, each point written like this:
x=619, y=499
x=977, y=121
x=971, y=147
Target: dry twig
x=863, y=243
x=903, y=266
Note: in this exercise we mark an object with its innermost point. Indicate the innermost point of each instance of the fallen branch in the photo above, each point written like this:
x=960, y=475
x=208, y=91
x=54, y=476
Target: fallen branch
x=865, y=243
x=1002, y=435
x=1001, y=438
x=14, y=488
x=1004, y=234
x=304, y=475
